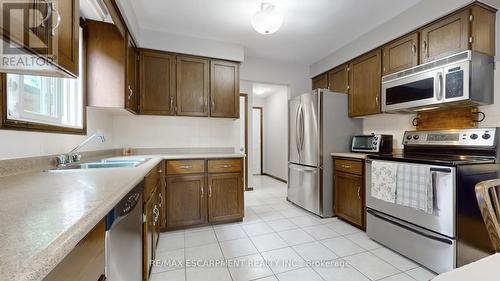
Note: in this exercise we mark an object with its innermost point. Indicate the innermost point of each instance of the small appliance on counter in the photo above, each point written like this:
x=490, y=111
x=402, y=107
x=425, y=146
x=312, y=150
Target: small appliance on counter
x=373, y=143
x=422, y=203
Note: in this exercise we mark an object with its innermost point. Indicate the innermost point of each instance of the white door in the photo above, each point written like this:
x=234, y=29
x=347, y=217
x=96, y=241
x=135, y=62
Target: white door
x=257, y=141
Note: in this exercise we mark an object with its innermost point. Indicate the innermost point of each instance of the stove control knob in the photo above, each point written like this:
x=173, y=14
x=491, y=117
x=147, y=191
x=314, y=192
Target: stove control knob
x=486, y=136
x=474, y=136
x=408, y=137
x=416, y=137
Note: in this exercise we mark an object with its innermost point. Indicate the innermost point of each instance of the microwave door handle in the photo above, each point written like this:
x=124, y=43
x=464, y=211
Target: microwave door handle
x=439, y=86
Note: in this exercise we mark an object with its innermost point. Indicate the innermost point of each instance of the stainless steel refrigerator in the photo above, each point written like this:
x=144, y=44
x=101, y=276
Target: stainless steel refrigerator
x=318, y=125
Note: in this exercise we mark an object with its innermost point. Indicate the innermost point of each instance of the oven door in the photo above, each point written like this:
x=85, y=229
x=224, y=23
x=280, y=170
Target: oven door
x=420, y=90
x=441, y=221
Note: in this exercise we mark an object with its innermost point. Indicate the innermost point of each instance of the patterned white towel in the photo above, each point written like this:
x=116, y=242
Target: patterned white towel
x=414, y=188
x=384, y=175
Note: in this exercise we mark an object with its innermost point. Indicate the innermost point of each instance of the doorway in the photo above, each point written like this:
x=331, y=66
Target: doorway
x=258, y=137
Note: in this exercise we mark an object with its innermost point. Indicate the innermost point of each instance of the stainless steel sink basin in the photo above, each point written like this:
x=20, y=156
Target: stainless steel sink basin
x=103, y=164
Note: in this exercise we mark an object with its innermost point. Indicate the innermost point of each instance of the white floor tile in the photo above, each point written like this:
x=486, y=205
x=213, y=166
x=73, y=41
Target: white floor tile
x=314, y=251
x=270, y=278
x=343, y=228
x=340, y=272
x=282, y=224
x=295, y=236
x=169, y=260
x=301, y=274
x=342, y=246
x=171, y=242
x=304, y=221
x=398, y=277
x=230, y=233
x=268, y=242
x=175, y=275
x=395, y=259
x=257, y=229
x=204, y=253
x=292, y=213
x=237, y=248
x=363, y=240
x=200, y=238
x=282, y=260
x=271, y=216
x=216, y=273
x=320, y=232
x=371, y=266
x=248, y=268
x=421, y=274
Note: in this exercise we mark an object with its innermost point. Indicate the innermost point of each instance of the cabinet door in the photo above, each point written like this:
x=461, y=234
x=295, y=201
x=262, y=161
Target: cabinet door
x=364, y=84
x=445, y=37
x=67, y=28
x=338, y=79
x=320, y=82
x=349, y=197
x=162, y=195
x=186, y=201
x=156, y=221
x=157, y=83
x=192, y=86
x=131, y=91
x=400, y=54
x=224, y=89
x=147, y=238
x=225, y=197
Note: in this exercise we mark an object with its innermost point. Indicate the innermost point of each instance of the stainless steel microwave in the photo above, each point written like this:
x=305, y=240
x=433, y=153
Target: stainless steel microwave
x=463, y=79
x=372, y=143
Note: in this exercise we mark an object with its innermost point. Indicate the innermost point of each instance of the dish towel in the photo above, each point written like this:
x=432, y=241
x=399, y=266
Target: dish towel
x=384, y=181
x=414, y=188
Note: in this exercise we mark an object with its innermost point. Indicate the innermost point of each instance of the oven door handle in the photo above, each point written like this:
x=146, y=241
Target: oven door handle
x=443, y=240
x=441, y=170
x=434, y=172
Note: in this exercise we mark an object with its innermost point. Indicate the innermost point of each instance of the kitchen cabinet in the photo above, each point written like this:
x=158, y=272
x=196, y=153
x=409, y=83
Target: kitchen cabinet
x=365, y=84
x=349, y=190
x=152, y=217
x=157, y=83
x=148, y=236
x=131, y=101
x=400, y=54
x=338, y=79
x=86, y=261
x=225, y=197
x=320, y=82
x=53, y=36
x=162, y=194
x=192, y=86
x=186, y=200
x=471, y=28
x=224, y=89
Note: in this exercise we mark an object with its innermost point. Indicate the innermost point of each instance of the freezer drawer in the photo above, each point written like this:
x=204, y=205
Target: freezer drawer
x=304, y=188
x=430, y=249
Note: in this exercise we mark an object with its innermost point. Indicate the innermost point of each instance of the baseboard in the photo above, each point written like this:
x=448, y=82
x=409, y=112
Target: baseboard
x=274, y=177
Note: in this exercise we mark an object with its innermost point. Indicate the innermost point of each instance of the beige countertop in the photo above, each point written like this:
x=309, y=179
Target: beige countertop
x=350, y=155
x=44, y=215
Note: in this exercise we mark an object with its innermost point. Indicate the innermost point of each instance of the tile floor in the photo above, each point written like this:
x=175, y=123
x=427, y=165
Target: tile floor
x=278, y=241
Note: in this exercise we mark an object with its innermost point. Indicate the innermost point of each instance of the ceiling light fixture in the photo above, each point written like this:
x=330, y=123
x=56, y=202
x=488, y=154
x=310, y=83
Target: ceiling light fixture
x=268, y=20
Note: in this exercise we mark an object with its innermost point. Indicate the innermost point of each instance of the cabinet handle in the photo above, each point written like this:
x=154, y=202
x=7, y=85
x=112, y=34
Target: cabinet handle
x=130, y=92
x=425, y=45
x=58, y=22
x=210, y=191
x=359, y=190
x=49, y=13
x=202, y=191
x=171, y=103
x=414, y=48
x=185, y=167
x=377, y=100
x=346, y=166
x=161, y=199
x=213, y=104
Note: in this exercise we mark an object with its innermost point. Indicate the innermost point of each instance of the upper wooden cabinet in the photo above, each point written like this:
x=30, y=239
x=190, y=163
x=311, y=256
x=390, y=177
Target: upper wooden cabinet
x=131, y=101
x=224, y=89
x=365, y=83
x=338, y=79
x=50, y=30
x=400, y=54
x=157, y=83
x=320, y=81
x=192, y=86
x=472, y=28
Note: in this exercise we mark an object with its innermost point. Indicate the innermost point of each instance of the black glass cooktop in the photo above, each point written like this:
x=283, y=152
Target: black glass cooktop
x=447, y=160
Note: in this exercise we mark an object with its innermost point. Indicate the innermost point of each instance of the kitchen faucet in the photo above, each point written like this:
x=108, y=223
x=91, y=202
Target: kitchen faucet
x=72, y=156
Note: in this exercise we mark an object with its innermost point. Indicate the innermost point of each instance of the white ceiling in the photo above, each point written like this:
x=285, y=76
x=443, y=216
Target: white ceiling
x=262, y=90
x=311, y=30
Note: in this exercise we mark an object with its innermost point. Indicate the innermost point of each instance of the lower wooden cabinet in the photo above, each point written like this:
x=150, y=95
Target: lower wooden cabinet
x=147, y=236
x=86, y=261
x=197, y=197
x=225, y=197
x=349, y=192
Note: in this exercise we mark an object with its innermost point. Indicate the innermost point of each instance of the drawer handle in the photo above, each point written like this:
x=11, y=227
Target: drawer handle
x=185, y=167
x=346, y=166
x=226, y=166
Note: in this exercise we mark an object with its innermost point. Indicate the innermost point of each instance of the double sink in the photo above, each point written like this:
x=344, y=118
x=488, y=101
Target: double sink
x=102, y=164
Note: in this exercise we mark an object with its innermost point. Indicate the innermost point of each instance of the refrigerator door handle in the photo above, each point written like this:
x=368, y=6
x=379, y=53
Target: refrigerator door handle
x=297, y=128
x=302, y=128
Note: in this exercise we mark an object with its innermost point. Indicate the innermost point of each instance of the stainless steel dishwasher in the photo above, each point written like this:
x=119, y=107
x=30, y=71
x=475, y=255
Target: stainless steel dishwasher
x=124, y=238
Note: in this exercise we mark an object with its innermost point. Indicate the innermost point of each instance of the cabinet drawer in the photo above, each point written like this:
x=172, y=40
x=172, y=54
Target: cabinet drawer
x=349, y=166
x=224, y=166
x=152, y=181
x=177, y=167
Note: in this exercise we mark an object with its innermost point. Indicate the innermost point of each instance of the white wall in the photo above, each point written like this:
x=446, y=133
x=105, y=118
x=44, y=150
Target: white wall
x=18, y=144
x=174, y=132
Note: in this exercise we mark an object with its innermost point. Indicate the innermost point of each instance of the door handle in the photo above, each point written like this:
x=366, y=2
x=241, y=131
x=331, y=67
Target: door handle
x=171, y=103
x=210, y=191
x=302, y=120
x=202, y=192
x=359, y=190
x=161, y=199
x=439, y=86
x=297, y=118
x=130, y=92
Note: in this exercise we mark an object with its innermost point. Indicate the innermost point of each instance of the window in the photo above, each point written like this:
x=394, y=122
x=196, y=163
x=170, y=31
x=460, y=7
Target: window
x=45, y=103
